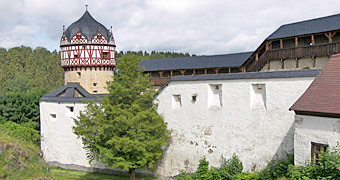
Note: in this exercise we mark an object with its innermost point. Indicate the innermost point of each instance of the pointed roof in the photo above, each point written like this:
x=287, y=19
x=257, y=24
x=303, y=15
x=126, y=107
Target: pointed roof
x=323, y=95
x=318, y=25
x=71, y=92
x=88, y=27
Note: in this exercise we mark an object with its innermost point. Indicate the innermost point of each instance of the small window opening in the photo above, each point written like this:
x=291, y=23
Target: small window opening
x=79, y=74
x=53, y=117
x=317, y=149
x=105, y=55
x=70, y=108
x=94, y=84
x=215, y=96
x=84, y=47
x=75, y=55
x=78, y=36
x=194, y=98
x=99, y=36
x=176, y=102
x=95, y=91
x=258, y=100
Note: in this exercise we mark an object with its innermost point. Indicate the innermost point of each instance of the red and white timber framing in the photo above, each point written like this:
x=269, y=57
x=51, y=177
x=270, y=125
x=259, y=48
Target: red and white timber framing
x=81, y=54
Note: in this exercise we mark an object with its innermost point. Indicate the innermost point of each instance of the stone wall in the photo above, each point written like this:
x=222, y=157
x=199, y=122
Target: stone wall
x=94, y=81
x=249, y=117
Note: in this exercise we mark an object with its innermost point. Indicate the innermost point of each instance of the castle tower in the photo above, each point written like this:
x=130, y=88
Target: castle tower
x=88, y=54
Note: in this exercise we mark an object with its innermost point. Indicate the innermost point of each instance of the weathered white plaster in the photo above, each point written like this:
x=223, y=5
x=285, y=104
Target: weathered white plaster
x=305, y=63
x=308, y=129
x=275, y=65
x=256, y=135
x=58, y=142
x=321, y=62
x=290, y=64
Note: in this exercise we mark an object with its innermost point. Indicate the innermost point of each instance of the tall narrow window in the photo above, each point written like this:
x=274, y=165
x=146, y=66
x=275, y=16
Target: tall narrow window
x=215, y=96
x=79, y=74
x=258, y=96
x=317, y=149
x=176, y=101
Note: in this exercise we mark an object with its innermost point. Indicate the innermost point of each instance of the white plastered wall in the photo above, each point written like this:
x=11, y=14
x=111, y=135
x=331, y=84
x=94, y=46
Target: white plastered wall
x=256, y=135
x=308, y=129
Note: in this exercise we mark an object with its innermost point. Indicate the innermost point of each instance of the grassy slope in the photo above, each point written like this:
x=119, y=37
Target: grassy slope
x=21, y=160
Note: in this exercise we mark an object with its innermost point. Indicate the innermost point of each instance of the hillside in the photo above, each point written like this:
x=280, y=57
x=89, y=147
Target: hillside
x=20, y=159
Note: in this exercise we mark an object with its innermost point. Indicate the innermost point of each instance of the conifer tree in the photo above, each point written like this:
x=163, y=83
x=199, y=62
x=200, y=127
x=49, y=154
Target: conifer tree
x=124, y=130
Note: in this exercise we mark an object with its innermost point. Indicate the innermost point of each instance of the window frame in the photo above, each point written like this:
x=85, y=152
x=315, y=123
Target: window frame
x=315, y=153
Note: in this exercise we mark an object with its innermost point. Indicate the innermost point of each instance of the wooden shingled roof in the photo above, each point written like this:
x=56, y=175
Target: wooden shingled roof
x=322, y=98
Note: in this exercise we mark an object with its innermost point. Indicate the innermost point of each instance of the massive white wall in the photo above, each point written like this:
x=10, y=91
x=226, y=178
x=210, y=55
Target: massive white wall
x=308, y=129
x=256, y=132
x=59, y=143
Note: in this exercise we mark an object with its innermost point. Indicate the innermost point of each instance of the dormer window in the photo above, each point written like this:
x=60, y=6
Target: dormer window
x=78, y=36
x=99, y=36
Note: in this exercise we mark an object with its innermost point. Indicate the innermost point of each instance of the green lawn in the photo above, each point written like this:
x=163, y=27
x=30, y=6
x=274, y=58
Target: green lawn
x=62, y=174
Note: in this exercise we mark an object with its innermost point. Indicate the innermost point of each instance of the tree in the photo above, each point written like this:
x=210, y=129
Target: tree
x=124, y=129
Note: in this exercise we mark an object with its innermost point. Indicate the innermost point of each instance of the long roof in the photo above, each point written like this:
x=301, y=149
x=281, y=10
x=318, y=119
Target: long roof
x=323, y=24
x=247, y=75
x=323, y=95
x=250, y=75
x=71, y=92
x=196, y=62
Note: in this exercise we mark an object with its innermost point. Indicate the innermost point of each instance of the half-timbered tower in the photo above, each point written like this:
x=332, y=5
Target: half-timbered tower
x=88, y=54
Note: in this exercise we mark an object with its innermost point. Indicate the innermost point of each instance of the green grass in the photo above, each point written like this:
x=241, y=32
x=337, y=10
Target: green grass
x=20, y=160
x=62, y=174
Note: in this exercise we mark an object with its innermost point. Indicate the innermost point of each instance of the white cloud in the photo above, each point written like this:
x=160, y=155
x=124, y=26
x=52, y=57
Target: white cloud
x=195, y=26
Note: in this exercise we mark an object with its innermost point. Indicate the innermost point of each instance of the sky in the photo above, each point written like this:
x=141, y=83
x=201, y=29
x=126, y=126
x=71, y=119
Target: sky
x=202, y=27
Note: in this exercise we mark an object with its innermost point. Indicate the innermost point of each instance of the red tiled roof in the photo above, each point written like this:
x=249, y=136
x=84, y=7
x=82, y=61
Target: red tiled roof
x=323, y=95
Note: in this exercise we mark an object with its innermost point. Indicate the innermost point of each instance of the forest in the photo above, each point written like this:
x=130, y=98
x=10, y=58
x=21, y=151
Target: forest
x=26, y=74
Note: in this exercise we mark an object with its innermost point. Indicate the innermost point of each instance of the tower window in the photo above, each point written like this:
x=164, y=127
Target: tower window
x=95, y=91
x=75, y=55
x=94, y=84
x=105, y=55
x=99, y=36
x=79, y=74
x=78, y=36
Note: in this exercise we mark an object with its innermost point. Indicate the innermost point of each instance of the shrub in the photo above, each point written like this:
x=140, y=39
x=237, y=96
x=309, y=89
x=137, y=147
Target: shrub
x=24, y=132
x=231, y=166
x=326, y=168
x=277, y=168
x=21, y=107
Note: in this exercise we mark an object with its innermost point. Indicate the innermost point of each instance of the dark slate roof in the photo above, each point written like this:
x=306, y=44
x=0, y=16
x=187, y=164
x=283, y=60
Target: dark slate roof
x=250, y=75
x=68, y=93
x=88, y=27
x=195, y=62
x=323, y=95
x=323, y=24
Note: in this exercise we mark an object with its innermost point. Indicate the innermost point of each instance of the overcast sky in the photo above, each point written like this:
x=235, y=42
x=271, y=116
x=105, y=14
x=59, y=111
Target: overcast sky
x=194, y=26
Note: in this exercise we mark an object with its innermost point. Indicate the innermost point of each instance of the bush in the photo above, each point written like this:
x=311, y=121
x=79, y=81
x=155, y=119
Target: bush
x=21, y=107
x=277, y=168
x=325, y=169
x=24, y=132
